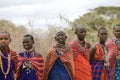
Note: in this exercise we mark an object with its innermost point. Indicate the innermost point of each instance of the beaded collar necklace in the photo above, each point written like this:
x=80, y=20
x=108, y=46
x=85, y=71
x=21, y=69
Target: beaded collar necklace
x=62, y=50
x=1, y=65
x=104, y=51
x=31, y=52
x=82, y=48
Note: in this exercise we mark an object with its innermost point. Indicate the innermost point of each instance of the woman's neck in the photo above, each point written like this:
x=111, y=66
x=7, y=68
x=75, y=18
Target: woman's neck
x=58, y=45
x=118, y=39
x=81, y=42
x=102, y=43
x=31, y=50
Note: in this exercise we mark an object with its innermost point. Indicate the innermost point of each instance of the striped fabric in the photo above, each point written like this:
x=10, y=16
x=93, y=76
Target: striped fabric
x=15, y=60
x=37, y=63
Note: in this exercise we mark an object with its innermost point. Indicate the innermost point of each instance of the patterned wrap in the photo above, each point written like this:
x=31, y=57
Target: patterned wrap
x=82, y=67
x=97, y=65
x=66, y=59
x=36, y=70
x=112, y=53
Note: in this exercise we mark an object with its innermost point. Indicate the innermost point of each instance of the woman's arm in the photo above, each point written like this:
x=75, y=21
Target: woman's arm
x=92, y=53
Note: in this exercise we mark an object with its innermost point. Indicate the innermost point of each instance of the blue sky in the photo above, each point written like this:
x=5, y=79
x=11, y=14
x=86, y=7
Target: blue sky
x=43, y=12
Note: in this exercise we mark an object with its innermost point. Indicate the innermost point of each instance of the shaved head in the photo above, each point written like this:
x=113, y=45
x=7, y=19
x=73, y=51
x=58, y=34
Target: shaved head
x=79, y=27
x=5, y=32
x=80, y=31
x=60, y=31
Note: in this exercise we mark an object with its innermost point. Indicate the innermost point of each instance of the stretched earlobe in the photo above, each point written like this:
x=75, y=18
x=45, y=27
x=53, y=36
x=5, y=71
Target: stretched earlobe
x=97, y=35
x=33, y=42
x=75, y=32
x=10, y=40
x=66, y=37
x=55, y=38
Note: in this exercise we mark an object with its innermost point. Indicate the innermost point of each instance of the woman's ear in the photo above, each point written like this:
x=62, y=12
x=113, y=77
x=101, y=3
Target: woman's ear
x=97, y=35
x=10, y=40
x=66, y=37
x=75, y=32
x=33, y=42
x=55, y=37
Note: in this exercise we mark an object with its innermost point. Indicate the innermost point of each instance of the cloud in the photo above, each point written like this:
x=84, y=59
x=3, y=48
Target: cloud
x=9, y=3
x=21, y=11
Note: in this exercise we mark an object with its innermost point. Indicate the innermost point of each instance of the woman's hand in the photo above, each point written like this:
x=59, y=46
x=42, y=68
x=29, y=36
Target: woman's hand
x=27, y=64
x=106, y=64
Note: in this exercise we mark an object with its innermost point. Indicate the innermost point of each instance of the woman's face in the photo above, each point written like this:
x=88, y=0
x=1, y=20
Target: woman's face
x=27, y=43
x=116, y=31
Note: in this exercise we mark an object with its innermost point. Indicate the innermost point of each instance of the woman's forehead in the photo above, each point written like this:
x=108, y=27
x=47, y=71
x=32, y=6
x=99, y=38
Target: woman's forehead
x=117, y=27
x=60, y=32
x=26, y=38
x=4, y=34
x=81, y=29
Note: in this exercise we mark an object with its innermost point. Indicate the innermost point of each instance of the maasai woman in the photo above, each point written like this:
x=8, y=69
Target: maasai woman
x=81, y=54
x=98, y=54
x=59, y=60
x=114, y=53
x=8, y=58
x=30, y=62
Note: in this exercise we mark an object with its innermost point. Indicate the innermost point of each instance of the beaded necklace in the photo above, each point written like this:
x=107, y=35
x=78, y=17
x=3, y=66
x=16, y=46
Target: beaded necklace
x=3, y=55
x=31, y=52
x=104, y=51
x=82, y=48
x=28, y=54
x=62, y=50
x=1, y=65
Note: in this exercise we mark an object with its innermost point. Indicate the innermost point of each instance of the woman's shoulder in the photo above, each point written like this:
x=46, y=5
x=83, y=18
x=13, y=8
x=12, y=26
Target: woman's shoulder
x=21, y=54
x=88, y=45
x=38, y=54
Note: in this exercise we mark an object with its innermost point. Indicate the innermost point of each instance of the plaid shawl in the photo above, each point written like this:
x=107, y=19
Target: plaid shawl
x=82, y=67
x=97, y=64
x=112, y=51
x=37, y=63
x=97, y=67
